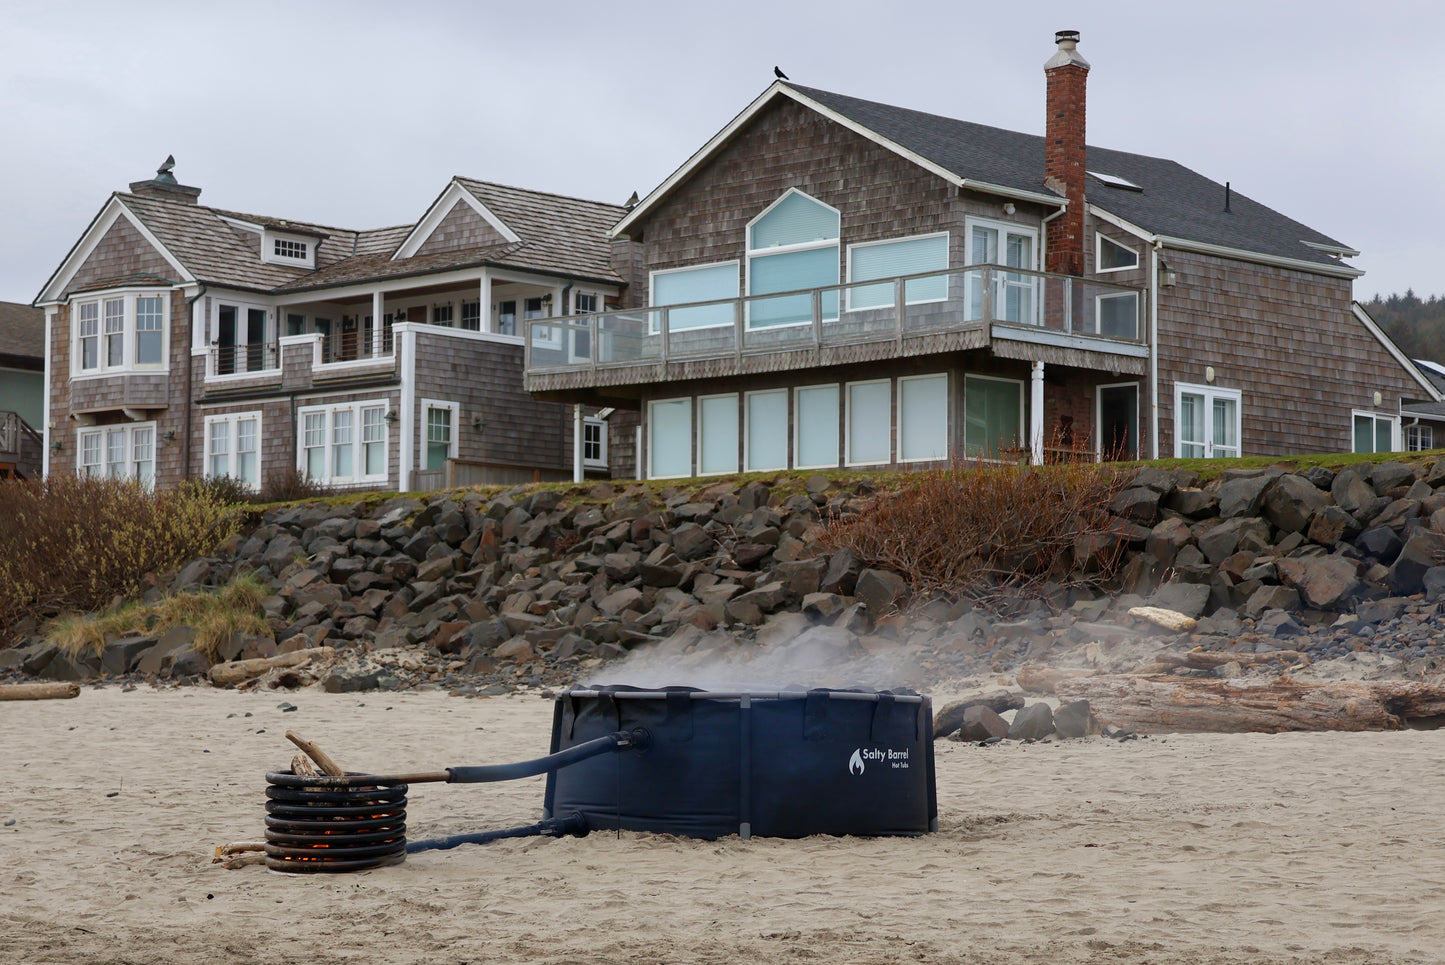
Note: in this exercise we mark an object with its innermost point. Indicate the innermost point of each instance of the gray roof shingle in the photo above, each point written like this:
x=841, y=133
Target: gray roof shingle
x=22, y=332
x=1174, y=201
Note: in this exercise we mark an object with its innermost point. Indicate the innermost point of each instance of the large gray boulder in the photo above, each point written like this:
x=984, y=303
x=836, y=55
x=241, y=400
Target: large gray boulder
x=1290, y=502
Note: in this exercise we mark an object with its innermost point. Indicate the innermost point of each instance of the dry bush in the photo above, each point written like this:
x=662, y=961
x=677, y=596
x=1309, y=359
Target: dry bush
x=289, y=485
x=213, y=614
x=988, y=532
x=73, y=544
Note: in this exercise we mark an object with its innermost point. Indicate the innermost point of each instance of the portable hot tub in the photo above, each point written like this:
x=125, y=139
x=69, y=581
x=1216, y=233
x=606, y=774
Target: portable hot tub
x=783, y=764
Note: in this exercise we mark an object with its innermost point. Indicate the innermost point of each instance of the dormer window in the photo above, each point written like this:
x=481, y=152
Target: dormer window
x=278, y=248
x=1112, y=256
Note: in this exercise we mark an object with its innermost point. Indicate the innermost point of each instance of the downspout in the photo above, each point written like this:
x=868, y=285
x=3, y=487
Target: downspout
x=48, y=374
x=1154, y=349
x=190, y=376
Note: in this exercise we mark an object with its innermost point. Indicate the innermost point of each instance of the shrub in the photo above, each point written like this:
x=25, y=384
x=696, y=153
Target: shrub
x=989, y=532
x=290, y=484
x=228, y=490
x=75, y=544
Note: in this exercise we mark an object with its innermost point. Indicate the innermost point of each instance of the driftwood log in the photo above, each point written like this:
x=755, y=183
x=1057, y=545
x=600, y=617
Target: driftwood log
x=1178, y=704
x=240, y=671
x=1213, y=659
x=1037, y=679
x=59, y=691
x=1168, y=619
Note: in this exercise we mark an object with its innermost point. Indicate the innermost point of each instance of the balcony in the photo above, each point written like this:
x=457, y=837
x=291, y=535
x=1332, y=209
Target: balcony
x=250, y=359
x=21, y=448
x=1015, y=313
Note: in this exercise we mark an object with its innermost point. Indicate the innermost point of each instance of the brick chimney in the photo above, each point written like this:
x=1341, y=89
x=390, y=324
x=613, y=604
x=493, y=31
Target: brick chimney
x=1067, y=74
x=165, y=187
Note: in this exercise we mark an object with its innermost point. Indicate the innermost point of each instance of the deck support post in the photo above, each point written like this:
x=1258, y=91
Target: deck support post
x=1036, y=414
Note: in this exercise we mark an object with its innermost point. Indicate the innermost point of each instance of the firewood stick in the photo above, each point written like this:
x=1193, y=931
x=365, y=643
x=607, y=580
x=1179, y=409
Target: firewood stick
x=323, y=760
x=60, y=691
x=301, y=766
x=237, y=847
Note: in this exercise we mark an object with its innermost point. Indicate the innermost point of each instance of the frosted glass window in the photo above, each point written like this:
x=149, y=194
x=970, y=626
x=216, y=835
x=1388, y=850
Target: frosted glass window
x=795, y=220
x=923, y=418
x=767, y=430
x=908, y=256
x=669, y=440
x=869, y=418
x=817, y=427
x=704, y=284
x=718, y=434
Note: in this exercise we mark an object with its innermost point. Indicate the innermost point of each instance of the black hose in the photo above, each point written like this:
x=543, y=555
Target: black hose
x=574, y=823
x=621, y=740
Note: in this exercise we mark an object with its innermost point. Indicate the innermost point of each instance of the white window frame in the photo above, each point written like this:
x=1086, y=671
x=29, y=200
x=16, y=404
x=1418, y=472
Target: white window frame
x=902, y=417
x=465, y=318
x=652, y=438
x=798, y=424
x=232, y=438
x=947, y=248
x=424, y=433
x=1019, y=386
x=270, y=239
x=358, y=460
x=847, y=401
x=1099, y=313
x=747, y=430
x=101, y=434
x=654, y=320
x=575, y=328
x=835, y=243
x=1419, y=438
x=701, y=439
x=1009, y=227
x=127, y=332
x=1099, y=240
x=1211, y=393
x=1377, y=417
x=268, y=336
x=600, y=425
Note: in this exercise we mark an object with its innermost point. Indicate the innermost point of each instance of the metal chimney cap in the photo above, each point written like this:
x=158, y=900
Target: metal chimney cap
x=1067, y=55
x=1062, y=35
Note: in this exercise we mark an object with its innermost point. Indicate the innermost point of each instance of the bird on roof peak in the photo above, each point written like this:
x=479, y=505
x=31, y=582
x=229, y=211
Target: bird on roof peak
x=631, y=202
x=778, y=73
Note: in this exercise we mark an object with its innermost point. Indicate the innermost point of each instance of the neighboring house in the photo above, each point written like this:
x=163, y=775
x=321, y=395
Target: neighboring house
x=1063, y=302
x=187, y=340
x=22, y=390
x=1424, y=420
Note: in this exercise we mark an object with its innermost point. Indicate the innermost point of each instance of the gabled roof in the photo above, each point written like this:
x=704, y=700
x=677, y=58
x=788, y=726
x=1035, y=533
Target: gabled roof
x=1172, y=201
x=22, y=332
x=562, y=235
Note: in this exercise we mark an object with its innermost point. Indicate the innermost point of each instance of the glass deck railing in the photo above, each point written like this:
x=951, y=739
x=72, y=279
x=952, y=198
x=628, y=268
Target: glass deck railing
x=870, y=311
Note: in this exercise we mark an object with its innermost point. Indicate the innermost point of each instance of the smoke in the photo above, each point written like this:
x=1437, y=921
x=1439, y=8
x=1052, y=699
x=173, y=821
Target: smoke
x=785, y=656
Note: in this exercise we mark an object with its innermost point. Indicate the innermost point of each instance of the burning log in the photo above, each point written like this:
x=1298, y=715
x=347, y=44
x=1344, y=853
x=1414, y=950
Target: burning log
x=1177, y=704
x=60, y=691
x=240, y=671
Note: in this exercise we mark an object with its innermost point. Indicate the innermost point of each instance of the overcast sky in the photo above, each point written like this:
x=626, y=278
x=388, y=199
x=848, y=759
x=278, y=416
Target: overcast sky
x=355, y=114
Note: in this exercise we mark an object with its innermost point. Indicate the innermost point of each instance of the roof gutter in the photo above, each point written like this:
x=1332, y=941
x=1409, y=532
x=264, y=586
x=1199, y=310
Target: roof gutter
x=1241, y=254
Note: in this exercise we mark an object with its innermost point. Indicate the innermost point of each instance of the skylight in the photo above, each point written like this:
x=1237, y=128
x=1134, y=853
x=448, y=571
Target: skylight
x=1114, y=181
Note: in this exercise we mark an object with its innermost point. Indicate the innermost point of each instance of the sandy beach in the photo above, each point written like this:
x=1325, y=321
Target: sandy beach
x=1173, y=849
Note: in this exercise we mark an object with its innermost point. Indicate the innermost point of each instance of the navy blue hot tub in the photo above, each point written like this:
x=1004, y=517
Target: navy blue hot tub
x=778, y=764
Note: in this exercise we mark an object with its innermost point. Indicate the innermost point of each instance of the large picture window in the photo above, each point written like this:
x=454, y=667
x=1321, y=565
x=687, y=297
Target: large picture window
x=766, y=430
x=815, y=428
x=792, y=245
x=892, y=259
x=870, y=414
x=669, y=438
x=1207, y=422
x=330, y=449
x=992, y=416
x=717, y=433
x=1014, y=293
x=233, y=447
x=704, y=283
x=923, y=418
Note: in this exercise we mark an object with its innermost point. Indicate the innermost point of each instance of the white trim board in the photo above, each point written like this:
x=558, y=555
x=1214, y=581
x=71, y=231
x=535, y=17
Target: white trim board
x=454, y=194
x=111, y=212
x=1374, y=329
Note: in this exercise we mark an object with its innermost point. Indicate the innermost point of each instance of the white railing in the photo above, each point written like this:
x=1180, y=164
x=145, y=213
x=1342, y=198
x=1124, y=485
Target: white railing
x=873, y=311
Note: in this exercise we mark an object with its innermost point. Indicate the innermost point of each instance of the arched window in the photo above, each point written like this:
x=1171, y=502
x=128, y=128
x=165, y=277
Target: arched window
x=792, y=245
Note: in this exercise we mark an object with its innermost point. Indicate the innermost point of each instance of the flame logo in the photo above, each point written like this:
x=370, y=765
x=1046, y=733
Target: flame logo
x=855, y=763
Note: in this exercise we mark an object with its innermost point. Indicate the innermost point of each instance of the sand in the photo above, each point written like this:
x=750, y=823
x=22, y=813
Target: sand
x=1191, y=848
